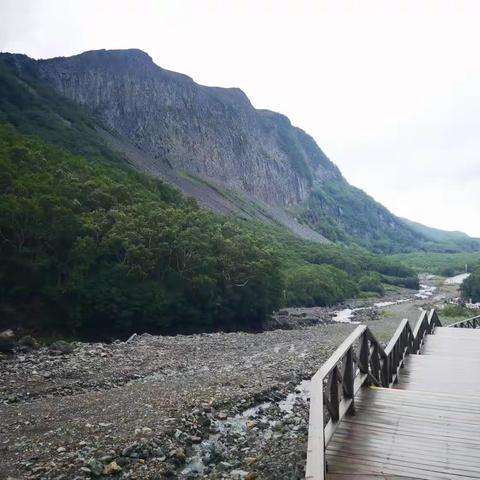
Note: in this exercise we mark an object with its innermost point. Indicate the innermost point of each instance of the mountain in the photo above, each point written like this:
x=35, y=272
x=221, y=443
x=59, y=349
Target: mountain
x=454, y=238
x=208, y=141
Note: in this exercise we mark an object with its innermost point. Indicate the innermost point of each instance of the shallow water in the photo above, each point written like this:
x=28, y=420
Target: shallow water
x=202, y=453
x=457, y=279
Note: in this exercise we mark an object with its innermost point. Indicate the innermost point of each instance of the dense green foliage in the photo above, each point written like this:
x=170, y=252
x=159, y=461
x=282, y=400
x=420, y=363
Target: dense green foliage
x=300, y=259
x=371, y=282
x=445, y=264
x=456, y=311
x=89, y=248
x=470, y=287
x=313, y=285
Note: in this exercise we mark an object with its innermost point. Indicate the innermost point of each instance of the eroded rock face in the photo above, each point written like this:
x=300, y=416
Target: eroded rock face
x=206, y=131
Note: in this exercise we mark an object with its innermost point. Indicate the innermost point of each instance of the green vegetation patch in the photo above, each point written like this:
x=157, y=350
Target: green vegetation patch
x=88, y=247
x=445, y=264
x=94, y=249
x=470, y=287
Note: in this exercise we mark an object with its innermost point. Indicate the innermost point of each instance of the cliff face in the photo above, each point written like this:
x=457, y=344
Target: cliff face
x=206, y=131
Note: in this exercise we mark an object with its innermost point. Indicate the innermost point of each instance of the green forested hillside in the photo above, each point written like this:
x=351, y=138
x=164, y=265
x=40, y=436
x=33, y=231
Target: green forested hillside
x=92, y=248
x=452, y=241
x=446, y=264
x=348, y=215
x=34, y=108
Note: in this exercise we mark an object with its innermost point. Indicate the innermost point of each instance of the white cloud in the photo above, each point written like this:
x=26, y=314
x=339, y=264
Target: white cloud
x=387, y=88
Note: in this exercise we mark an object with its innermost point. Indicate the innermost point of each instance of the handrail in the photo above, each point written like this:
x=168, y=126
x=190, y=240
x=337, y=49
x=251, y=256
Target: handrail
x=473, y=322
x=359, y=361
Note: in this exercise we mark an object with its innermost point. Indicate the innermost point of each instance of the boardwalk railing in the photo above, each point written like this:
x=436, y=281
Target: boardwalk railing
x=473, y=322
x=359, y=361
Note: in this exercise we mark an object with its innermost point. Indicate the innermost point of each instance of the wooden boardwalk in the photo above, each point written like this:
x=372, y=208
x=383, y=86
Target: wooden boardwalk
x=426, y=426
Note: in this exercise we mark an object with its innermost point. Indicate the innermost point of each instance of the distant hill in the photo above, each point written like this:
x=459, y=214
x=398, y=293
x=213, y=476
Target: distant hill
x=209, y=142
x=457, y=240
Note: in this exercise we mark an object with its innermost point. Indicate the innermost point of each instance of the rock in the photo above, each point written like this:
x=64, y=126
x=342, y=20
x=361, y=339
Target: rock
x=222, y=415
x=112, y=468
x=222, y=466
x=122, y=461
x=180, y=455
x=27, y=343
x=60, y=347
x=95, y=467
x=238, y=474
x=7, y=341
x=221, y=124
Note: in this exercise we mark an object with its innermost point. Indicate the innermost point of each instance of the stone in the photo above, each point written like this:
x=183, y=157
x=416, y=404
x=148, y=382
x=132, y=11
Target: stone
x=238, y=474
x=95, y=467
x=28, y=342
x=7, y=341
x=60, y=347
x=112, y=468
x=180, y=455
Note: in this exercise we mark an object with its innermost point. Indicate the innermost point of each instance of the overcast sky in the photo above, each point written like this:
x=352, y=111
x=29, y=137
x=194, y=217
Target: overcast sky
x=389, y=89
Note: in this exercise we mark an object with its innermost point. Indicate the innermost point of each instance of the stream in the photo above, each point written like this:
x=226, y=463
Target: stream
x=265, y=414
x=346, y=315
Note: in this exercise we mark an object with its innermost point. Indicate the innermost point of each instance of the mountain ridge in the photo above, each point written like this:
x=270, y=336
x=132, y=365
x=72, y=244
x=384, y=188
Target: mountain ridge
x=215, y=146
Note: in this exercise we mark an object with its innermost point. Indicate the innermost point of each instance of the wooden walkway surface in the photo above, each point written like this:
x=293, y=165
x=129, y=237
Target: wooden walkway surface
x=426, y=427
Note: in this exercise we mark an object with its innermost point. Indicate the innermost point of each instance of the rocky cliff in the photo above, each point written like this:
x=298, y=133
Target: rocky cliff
x=206, y=131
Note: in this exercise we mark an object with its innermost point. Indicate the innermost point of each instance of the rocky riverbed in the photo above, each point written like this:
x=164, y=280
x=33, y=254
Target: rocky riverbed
x=142, y=409
x=218, y=406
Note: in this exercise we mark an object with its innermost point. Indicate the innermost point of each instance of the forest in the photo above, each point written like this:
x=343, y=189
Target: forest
x=92, y=249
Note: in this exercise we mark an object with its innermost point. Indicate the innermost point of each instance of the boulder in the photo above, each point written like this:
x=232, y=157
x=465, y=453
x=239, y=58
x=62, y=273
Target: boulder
x=60, y=347
x=28, y=343
x=7, y=341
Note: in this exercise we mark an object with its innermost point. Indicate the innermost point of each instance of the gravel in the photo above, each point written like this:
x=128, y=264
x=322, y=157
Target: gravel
x=146, y=403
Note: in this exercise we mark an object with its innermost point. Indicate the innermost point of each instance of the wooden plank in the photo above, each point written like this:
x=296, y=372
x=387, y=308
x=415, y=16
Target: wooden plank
x=340, y=352
x=421, y=462
x=396, y=336
x=315, y=468
x=431, y=448
x=427, y=426
x=359, y=476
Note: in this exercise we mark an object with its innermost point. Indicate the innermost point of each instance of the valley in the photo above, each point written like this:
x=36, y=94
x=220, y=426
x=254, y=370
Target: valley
x=187, y=262
x=230, y=405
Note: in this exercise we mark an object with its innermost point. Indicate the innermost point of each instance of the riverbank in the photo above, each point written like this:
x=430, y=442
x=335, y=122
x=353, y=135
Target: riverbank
x=220, y=405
